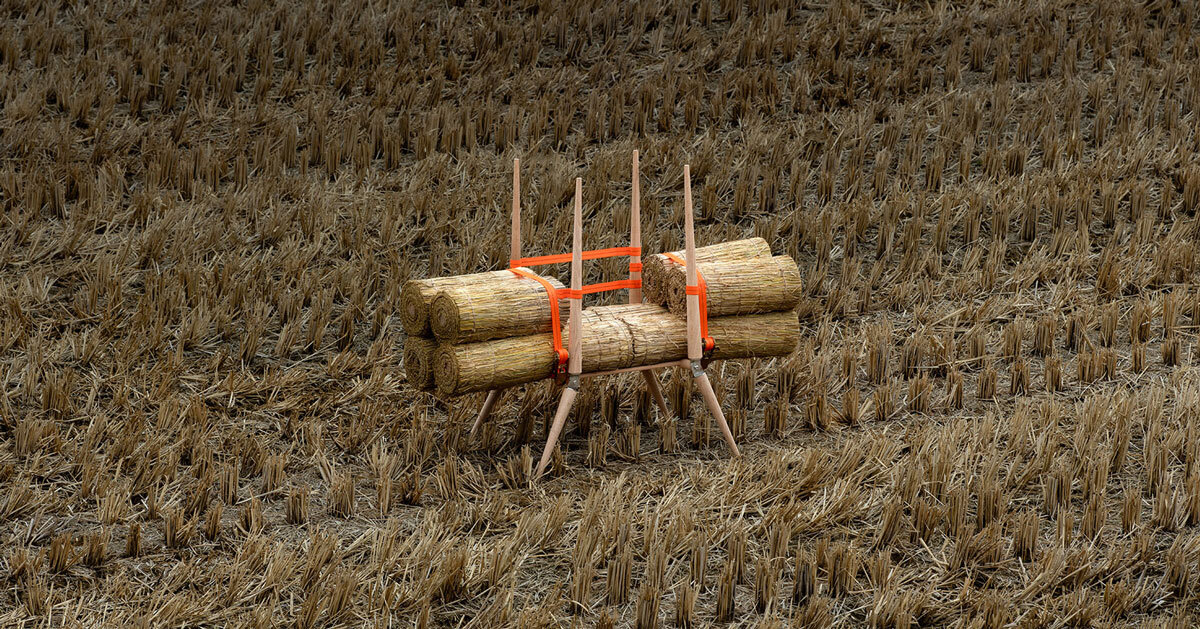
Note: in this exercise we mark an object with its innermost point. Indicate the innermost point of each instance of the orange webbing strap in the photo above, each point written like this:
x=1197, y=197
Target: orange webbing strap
x=594, y=254
x=701, y=290
x=607, y=286
x=555, y=324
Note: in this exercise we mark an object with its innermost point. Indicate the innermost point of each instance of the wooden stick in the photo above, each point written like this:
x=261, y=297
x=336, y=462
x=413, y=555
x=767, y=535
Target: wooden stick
x=560, y=419
x=651, y=378
x=635, y=294
x=575, y=360
x=488, y=404
x=609, y=372
x=714, y=407
x=635, y=231
x=515, y=247
x=695, y=348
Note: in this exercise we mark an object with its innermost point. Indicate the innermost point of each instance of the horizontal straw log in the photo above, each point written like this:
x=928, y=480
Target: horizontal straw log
x=511, y=306
x=507, y=362
x=418, y=361
x=755, y=336
x=416, y=295
x=614, y=337
x=655, y=267
x=739, y=286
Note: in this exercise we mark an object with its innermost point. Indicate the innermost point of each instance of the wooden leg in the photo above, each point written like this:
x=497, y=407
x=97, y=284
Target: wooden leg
x=714, y=407
x=560, y=419
x=488, y=405
x=656, y=391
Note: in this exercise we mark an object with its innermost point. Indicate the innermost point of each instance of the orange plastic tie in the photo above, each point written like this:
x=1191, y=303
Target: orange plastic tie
x=555, y=324
x=594, y=254
x=635, y=267
x=701, y=291
x=607, y=286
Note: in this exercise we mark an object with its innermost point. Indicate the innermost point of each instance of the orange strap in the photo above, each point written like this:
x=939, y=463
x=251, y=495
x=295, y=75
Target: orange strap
x=700, y=290
x=554, y=294
x=555, y=324
x=607, y=286
x=594, y=254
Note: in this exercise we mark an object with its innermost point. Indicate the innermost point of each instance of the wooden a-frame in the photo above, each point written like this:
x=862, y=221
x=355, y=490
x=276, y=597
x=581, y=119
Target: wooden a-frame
x=575, y=362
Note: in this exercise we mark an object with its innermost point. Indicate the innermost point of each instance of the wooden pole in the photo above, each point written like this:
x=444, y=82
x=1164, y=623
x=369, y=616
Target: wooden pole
x=514, y=253
x=714, y=407
x=635, y=294
x=575, y=360
x=560, y=419
x=695, y=343
x=515, y=247
x=488, y=405
x=635, y=232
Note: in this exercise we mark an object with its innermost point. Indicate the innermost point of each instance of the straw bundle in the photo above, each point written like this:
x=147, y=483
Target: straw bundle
x=494, y=364
x=614, y=337
x=418, y=361
x=655, y=267
x=755, y=336
x=416, y=295
x=739, y=286
x=512, y=306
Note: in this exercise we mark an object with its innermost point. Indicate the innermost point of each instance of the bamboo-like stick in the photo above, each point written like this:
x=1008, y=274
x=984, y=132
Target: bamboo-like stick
x=515, y=244
x=514, y=253
x=418, y=362
x=485, y=411
x=575, y=359
x=695, y=344
x=741, y=286
x=695, y=348
x=645, y=369
x=635, y=294
x=613, y=337
x=657, y=268
x=635, y=230
x=510, y=306
x=714, y=407
x=560, y=419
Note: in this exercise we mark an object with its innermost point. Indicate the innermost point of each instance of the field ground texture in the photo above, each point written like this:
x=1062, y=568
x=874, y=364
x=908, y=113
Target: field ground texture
x=208, y=210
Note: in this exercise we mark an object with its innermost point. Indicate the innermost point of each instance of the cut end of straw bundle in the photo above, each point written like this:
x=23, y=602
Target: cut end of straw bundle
x=418, y=362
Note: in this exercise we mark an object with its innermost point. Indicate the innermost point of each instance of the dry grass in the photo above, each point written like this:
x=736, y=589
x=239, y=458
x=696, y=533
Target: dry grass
x=207, y=213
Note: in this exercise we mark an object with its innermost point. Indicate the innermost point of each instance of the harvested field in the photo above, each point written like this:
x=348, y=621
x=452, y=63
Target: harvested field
x=207, y=214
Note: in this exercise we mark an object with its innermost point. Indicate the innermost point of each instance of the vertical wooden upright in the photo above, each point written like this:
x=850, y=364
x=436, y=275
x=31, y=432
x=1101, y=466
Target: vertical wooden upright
x=575, y=329
x=694, y=342
x=635, y=233
x=635, y=273
x=575, y=361
x=514, y=253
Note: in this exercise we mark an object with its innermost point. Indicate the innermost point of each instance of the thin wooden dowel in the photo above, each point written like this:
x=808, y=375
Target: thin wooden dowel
x=489, y=403
x=651, y=378
x=635, y=230
x=575, y=360
x=673, y=363
x=560, y=419
x=515, y=246
x=714, y=407
x=695, y=348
